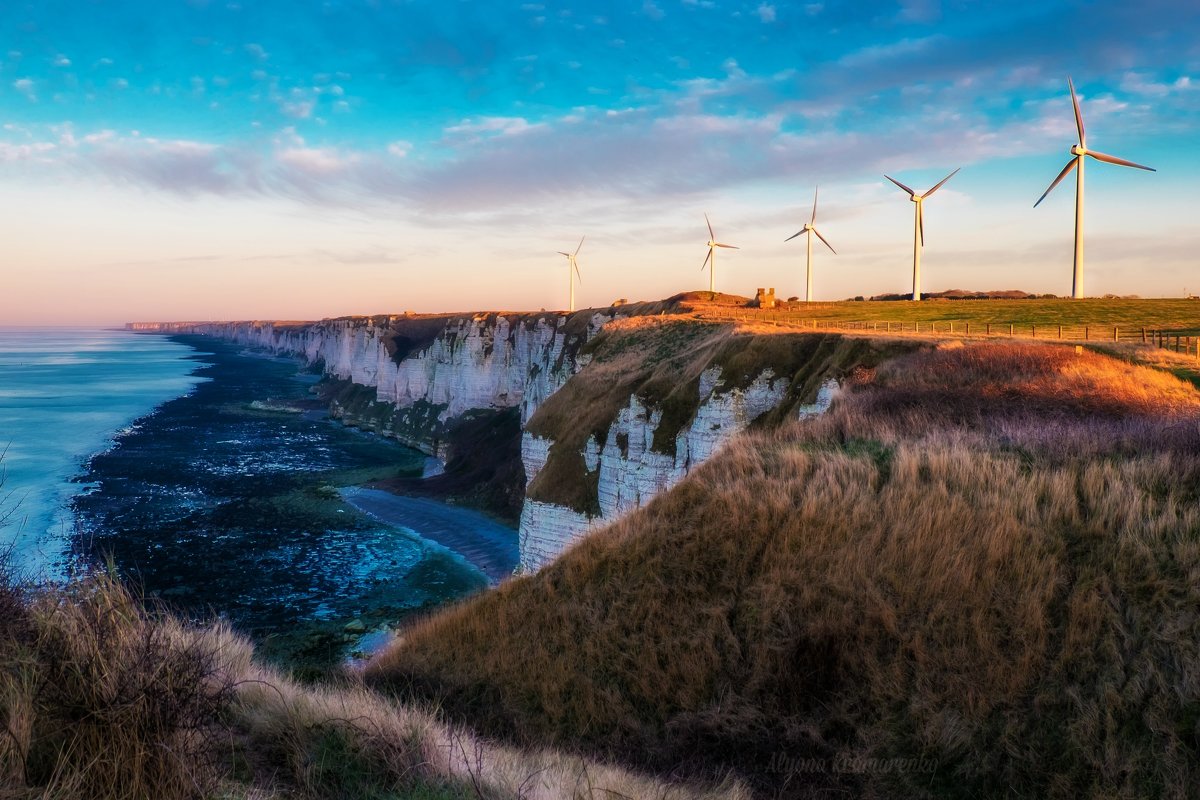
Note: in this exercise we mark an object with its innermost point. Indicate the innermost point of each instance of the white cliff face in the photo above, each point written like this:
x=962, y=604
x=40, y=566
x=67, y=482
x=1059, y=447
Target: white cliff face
x=494, y=362
x=632, y=473
x=475, y=363
x=547, y=530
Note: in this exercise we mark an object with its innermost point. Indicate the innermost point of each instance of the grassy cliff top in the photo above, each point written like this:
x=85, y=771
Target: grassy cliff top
x=1137, y=312
x=979, y=568
x=1130, y=312
x=659, y=361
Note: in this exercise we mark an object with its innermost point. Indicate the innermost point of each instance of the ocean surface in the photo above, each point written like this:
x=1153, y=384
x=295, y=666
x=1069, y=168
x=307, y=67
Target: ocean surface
x=212, y=479
x=64, y=394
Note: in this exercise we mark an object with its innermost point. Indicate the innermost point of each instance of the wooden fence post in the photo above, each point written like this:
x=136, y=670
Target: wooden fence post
x=1143, y=334
x=1116, y=334
x=1060, y=331
x=1010, y=329
x=1087, y=334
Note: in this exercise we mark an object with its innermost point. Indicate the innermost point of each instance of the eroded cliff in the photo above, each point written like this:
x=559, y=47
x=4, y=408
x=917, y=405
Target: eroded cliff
x=613, y=406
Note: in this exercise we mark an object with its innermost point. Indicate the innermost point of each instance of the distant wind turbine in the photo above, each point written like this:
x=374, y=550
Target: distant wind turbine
x=809, y=228
x=710, y=260
x=573, y=270
x=1078, y=152
x=919, y=227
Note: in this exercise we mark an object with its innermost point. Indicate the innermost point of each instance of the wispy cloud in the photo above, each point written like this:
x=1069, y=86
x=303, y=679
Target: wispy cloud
x=25, y=87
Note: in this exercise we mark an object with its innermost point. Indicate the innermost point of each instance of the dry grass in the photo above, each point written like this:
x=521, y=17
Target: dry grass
x=660, y=360
x=101, y=699
x=987, y=558
x=98, y=700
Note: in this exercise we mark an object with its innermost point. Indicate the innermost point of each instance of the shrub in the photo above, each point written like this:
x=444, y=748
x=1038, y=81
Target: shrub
x=101, y=700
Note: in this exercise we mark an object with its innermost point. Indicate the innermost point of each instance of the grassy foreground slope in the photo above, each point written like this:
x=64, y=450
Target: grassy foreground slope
x=981, y=567
x=101, y=699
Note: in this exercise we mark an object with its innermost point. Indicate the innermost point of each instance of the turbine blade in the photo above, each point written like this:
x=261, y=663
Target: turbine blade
x=921, y=221
x=578, y=274
x=731, y=247
x=561, y=253
x=706, y=259
x=1120, y=161
x=794, y=235
x=822, y=238
x=1070, y=166
x=942, y=182
x=580, y=244
x=814, y=216
x=901, y=185
x=711, y=235
x=1078, y=115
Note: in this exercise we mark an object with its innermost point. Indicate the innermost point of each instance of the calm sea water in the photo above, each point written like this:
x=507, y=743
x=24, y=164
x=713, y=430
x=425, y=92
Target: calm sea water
x=64, y=395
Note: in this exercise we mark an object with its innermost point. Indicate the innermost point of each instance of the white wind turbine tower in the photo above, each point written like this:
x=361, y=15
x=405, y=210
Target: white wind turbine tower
x=573, y=270
x=1078, y=152
x=919, y=227
x=710, y=260
x=809, y=228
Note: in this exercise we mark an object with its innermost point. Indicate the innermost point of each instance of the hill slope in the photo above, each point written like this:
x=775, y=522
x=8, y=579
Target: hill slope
x=981, y=567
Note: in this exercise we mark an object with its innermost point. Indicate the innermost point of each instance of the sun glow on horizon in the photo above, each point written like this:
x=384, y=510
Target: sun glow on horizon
x=217, y=163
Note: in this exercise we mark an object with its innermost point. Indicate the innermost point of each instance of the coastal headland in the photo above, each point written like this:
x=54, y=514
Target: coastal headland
x=757, y=555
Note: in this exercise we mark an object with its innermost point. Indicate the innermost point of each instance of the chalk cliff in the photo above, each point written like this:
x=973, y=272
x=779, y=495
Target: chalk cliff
x=614, y=408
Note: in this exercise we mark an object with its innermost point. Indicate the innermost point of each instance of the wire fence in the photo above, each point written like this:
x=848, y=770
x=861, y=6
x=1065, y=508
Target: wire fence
x=1180, y=340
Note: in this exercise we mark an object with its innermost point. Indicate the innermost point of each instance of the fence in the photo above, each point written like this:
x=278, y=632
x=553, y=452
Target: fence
x=1183, y=340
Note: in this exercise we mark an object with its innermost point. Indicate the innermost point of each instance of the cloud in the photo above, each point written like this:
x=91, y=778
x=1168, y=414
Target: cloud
x=33, y=151
x=1141, y=83
x=315, y=161
x=25, y=87
x=298, y=109
x=483, y=126
x=765, y=12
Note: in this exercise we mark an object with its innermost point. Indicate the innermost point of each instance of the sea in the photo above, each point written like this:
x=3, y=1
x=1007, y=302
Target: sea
x=211, y=479
x=65, y=395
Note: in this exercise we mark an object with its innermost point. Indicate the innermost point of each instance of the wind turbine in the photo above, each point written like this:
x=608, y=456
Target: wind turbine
x=710, y=260
x=573, y=270
x=919, y=227
x=810, y=230
x=1078, y=152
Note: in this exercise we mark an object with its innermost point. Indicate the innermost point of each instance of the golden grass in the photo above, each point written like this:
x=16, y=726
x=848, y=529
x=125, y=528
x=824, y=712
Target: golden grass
x=659, y=360
x=986, y=557
x=101, y=699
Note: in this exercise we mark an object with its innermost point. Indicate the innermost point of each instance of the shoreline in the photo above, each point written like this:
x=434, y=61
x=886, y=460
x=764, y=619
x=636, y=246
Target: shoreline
x=37, y=509
x=472, y=535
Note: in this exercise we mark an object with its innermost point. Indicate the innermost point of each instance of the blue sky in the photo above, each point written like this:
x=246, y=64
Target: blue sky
x=226, y=159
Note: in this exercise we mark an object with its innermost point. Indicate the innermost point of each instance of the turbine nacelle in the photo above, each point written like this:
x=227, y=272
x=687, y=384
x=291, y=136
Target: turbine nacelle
x=1078, y=150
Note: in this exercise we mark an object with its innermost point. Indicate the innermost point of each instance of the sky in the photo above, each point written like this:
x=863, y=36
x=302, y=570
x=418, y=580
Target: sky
x=207, y=159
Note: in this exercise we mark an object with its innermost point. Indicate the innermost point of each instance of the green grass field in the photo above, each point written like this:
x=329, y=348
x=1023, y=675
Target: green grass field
x=1169, y=313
